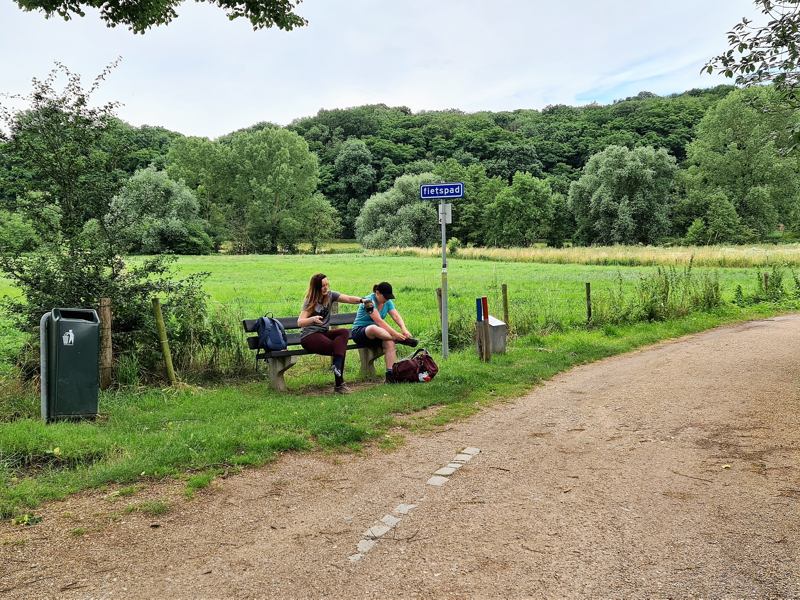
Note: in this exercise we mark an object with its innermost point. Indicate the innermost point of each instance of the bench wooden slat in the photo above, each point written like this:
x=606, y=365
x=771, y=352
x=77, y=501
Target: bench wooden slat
x=291, y=322
x=298, y=352
x=292, y=339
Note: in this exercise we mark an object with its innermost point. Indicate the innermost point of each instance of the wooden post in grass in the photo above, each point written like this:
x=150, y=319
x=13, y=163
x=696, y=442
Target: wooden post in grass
x=482, y=336
x=106, y=351
x=162, y=336
x=504, y=289
x=588, y=302
x=766, y=283
x=479, y=327
x=439, y=301
x=487, y=336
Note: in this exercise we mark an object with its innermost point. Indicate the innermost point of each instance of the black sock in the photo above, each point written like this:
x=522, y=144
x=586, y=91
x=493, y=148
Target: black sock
x=338, y=366
x=338, y=380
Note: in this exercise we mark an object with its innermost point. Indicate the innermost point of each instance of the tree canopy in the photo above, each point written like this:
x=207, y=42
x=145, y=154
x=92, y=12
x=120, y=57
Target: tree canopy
x=770, y=53
x=141, y=16
x=623, y=196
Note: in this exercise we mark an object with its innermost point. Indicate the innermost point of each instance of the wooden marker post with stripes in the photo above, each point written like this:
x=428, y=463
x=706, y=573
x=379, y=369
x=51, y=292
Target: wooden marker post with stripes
x=482, y=335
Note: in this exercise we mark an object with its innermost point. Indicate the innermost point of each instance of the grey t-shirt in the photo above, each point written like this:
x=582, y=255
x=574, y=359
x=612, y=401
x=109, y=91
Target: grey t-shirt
x=324, y=311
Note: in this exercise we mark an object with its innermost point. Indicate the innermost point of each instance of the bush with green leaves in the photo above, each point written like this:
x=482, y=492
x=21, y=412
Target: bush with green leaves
x=397, y=217
x=65, y=251
x=154, y=214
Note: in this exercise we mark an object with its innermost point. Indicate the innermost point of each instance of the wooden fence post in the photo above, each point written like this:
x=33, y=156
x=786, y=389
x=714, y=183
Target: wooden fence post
x=766, y=282
x=504, y=289
x=106, y=348
x=162, y=336
x=439, y=301
x=588, y=302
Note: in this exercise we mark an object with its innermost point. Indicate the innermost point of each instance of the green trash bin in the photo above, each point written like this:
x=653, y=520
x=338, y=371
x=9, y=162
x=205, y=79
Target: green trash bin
x=70, y=346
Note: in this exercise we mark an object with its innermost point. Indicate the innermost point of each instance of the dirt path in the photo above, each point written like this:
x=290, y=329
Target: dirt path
x=672, y=471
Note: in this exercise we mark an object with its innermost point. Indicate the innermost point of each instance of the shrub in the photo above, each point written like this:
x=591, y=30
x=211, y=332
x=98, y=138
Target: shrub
x=398, y=217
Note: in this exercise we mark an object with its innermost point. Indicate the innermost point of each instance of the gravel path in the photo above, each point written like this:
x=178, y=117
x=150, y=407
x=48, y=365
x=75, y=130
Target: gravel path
x=671, y=471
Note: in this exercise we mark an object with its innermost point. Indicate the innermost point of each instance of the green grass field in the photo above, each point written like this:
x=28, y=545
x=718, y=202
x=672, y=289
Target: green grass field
x=194, y=433
x=253, y=285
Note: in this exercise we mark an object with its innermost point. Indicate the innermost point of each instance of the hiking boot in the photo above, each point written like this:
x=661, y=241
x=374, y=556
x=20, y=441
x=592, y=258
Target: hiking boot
x=342, y=389
x=390, y=379
x=413, y=342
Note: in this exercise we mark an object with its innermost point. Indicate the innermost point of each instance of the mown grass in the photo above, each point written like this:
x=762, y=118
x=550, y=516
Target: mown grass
x=758, y=255
x=249, y=286
x=155, y=434
x=196, y=433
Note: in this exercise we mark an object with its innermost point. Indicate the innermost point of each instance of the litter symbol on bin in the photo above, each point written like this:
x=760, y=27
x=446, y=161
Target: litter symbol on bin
x=69, y=338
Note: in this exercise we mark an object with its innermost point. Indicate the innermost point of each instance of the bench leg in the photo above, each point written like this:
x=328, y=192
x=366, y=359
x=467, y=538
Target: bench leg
x=368, y=358
x=277, y=367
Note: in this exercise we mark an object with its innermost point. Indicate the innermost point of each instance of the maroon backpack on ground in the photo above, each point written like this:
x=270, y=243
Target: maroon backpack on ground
x=417, y=368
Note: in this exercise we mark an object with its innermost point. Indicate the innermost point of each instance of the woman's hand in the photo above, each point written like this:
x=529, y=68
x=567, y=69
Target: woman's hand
x=406, y=333
x=317, y=320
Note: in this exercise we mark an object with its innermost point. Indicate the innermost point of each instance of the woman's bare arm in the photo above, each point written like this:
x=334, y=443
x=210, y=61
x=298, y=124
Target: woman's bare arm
x=349, y=299
x=399, y=320
x=305, y=319
x=376, y=317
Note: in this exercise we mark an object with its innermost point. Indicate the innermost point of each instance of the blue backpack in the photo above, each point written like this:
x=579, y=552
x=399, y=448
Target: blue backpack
x=271, y=334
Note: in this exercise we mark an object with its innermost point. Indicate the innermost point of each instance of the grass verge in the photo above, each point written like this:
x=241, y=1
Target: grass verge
x=155, y=433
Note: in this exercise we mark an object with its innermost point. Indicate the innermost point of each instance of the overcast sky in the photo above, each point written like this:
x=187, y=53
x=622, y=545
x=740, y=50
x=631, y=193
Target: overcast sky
x=206, y=75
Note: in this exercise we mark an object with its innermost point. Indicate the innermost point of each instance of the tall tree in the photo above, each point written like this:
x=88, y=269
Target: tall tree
x=624, y=196
x=353, y=182
x=206, y=168
x=738, y=152
x=141, y=16
x=520, y=214
x=274, y=173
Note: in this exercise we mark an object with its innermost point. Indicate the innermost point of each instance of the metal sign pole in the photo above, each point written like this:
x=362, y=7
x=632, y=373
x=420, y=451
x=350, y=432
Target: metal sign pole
x=445, y=345
x=443, y=192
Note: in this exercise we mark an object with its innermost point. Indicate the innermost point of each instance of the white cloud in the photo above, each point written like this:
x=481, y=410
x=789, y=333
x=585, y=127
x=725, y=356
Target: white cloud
x=205, y=75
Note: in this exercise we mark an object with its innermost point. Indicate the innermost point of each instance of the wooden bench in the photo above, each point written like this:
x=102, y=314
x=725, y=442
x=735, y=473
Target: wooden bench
x=279, y=362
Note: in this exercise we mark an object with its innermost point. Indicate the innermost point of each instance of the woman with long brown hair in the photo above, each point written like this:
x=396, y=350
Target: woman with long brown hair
x=315, y=333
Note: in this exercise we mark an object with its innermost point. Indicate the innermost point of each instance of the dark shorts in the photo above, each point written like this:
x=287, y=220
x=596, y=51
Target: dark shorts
x=359, y=336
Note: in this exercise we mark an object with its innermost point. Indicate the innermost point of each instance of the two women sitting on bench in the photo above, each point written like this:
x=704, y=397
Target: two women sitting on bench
x=369, y=328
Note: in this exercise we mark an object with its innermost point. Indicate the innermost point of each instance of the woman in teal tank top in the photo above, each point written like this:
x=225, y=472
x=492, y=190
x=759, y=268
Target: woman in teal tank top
x=371, y=329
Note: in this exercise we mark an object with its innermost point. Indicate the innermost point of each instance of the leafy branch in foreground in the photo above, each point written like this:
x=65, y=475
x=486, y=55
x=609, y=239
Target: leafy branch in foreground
x=770, y=53
x=141, y=16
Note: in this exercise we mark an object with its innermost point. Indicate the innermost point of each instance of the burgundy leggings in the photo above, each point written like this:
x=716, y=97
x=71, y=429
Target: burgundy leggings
x=330, y=343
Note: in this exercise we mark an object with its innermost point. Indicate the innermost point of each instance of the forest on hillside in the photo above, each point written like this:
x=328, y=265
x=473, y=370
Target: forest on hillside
x=702, y=167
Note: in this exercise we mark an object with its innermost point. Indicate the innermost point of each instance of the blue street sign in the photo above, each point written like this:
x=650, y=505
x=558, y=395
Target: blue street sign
x=435, y=191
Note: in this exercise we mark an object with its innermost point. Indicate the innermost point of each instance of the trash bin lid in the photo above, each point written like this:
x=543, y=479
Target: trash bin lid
x=76, y=314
